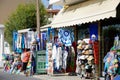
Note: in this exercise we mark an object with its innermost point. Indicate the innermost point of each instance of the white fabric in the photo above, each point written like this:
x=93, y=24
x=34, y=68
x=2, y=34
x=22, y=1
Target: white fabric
x=59, y=57
x=65, y=54
x=19, y=41
x=54, y=52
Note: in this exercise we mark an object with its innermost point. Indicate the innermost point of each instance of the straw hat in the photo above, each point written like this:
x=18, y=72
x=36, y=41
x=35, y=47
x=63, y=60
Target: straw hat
x=90, y=51
x=90, y=58
x=82, y=57
x=79, y=41
x=84, y=43
x=79, y=46
x=86, y=52
x=87, y=47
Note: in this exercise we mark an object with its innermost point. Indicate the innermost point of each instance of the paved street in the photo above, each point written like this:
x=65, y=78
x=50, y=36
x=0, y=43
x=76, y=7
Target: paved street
x=6, y=76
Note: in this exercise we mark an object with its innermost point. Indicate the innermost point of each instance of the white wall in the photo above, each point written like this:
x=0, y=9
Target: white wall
x=1, y=43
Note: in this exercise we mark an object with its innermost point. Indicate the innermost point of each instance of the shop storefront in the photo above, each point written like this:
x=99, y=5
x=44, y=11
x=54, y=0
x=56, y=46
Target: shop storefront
x=88, y=19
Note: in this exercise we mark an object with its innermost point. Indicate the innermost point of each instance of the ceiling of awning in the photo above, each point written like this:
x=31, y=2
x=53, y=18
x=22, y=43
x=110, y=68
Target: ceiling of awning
x=89, y=11
x=24, y=30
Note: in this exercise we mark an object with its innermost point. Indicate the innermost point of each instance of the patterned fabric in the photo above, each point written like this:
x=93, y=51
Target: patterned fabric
x=66, y=36
x=15, y=35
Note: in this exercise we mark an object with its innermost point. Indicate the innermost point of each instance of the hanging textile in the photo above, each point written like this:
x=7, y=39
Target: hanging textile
x=59, y=57
x=43, y=39
x=93, y=29
x=23, y=43
x=66, y=36
x=48, y=34
x=15, y=35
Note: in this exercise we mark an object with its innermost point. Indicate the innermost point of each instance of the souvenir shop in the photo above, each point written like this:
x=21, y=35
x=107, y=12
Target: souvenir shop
x=89, y=32
x=77, y=49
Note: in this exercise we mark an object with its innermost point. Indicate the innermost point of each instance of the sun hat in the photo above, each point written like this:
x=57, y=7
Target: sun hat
x=90, y=58
x=93, y=36
x=79, y=46
x=90, y=51
x=85, y=51
x=84, y=43
x=87, y=47
x=79, y=41
x=82, y=57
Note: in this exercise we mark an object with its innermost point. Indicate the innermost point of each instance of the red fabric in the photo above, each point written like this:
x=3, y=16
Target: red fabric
x=96, y=51
x=74, y=44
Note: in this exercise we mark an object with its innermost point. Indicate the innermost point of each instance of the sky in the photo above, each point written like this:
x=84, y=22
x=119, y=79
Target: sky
x=46, y=3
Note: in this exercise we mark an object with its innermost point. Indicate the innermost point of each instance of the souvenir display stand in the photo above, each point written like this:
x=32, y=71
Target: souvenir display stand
x=85, y=60
x=113, y=59
x=27, y=39
x=24, y=39
x=49, y=60
x=61, y=53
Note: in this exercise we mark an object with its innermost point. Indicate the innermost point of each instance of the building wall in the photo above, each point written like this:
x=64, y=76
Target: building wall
x=7, y=7
x=1, y=43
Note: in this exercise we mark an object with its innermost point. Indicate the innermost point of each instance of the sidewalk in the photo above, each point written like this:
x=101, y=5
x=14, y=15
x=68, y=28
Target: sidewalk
x=63, y=76
x=59, y=77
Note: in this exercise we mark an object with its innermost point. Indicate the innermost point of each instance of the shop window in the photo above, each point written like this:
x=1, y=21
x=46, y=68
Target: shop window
x=109, y=33
x=83, y=33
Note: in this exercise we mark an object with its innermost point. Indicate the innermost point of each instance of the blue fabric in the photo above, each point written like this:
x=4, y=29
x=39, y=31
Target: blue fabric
x=48, y=34
x=106, y=66
x=93, y=29
x=112, y=56
x=46, y=58
x=66, y=36
x=15, y=35
x=43, y=39
x=19, y=50
x=23, y=42
x=117, y=77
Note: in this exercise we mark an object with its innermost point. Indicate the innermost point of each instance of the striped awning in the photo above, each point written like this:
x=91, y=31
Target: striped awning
x=89, y=11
